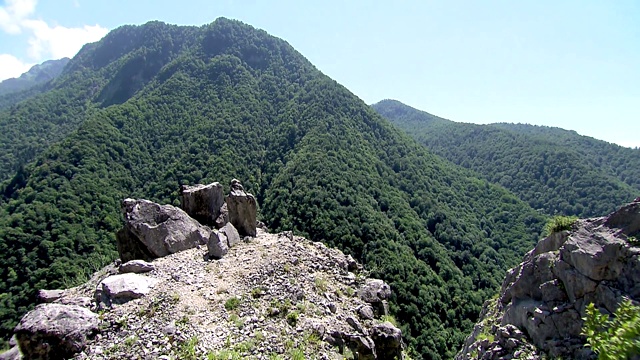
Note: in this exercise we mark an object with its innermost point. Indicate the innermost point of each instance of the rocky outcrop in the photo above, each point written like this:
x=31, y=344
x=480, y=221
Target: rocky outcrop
x=543, y=300
x=55, y=331
x=203, y=203
x=272, y=295
x=376, y=292
x=242, y=209
x=152, y=231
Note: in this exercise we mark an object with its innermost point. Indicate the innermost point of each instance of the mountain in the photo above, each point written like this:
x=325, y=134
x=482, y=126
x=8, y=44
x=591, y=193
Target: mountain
x=565, y=288
x=149, y=108
x=554, y=170
x=38, y=74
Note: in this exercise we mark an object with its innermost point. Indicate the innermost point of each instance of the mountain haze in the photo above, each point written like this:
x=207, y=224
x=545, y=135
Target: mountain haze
x=149, y=108
x=38, y=74
x=554, y=170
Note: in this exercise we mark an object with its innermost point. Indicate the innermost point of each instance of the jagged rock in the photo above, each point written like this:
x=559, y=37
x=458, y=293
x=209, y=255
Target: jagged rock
x=233, y=238
x=223, y=218
x=388, y=341
x=376, y=292
x=627, y=219
x=218, y=245
x=136, y=267
x=203, y=202
x=362, y=347
x=355, y=324
x=55, y=331
x=242, y=209
x=152, y=231
x=119, y=289
x=49, y=296
x=366, y=312
x=546, y=295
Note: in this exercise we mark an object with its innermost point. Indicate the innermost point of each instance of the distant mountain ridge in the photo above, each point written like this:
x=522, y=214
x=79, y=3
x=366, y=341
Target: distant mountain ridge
x=38, y=74
x=554, y=170
x=152, y=107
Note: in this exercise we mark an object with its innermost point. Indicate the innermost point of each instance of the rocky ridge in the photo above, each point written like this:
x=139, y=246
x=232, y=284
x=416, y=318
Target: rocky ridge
x=540, y=309
x=270, y=296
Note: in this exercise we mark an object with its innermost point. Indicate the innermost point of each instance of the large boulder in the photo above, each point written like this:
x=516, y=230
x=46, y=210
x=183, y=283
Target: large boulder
x=218, y=245
x=242, y=209
x=388, y=341
x=121, y=288
x=55, y=331
x=203, y=202
x=152, y=231
x=233, y=237
x=376, y=292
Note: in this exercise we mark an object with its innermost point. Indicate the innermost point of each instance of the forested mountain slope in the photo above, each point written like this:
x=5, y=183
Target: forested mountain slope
x=554, y=170
x=226, y=101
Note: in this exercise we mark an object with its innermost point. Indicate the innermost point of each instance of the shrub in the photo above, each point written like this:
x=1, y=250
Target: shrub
x=232, y=303
x=292, y=318
x=616, y=338
x=559, y=223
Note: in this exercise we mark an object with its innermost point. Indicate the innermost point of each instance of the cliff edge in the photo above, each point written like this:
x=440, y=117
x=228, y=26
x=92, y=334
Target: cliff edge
x=540, y=309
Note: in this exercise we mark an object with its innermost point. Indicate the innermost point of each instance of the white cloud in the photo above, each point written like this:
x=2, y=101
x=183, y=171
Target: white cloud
x=59, y=41
x=11, y=66
x=12, y=14
x=45, y=41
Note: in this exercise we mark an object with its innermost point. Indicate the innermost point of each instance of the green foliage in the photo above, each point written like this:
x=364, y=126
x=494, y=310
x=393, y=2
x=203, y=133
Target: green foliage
x=616, y=338
x=292, y=318
x=257, y=292
x=559, y=223
x=297, y=354
x=556, y=171
x=152, y=107
x=232, y=303
x=224, y=355
x=187, y=349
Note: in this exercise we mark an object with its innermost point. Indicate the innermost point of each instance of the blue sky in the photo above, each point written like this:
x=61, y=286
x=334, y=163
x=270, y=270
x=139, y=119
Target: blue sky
x=571, y=64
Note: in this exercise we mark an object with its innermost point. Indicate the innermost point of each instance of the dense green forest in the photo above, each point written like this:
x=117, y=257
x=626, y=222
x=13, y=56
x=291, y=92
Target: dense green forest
x=151, y=107
x=554, y=170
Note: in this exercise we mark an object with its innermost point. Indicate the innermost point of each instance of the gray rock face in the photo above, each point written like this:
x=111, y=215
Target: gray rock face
x=202, y=202
x=233, y=238
x=376, y=292
x=218, y=245
x=242, y=209
x=121, y=288
x=55, y=331
x=546, y=295
x=153, y=231
x=388, y=341
x=136, y=267
x=49, y=296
